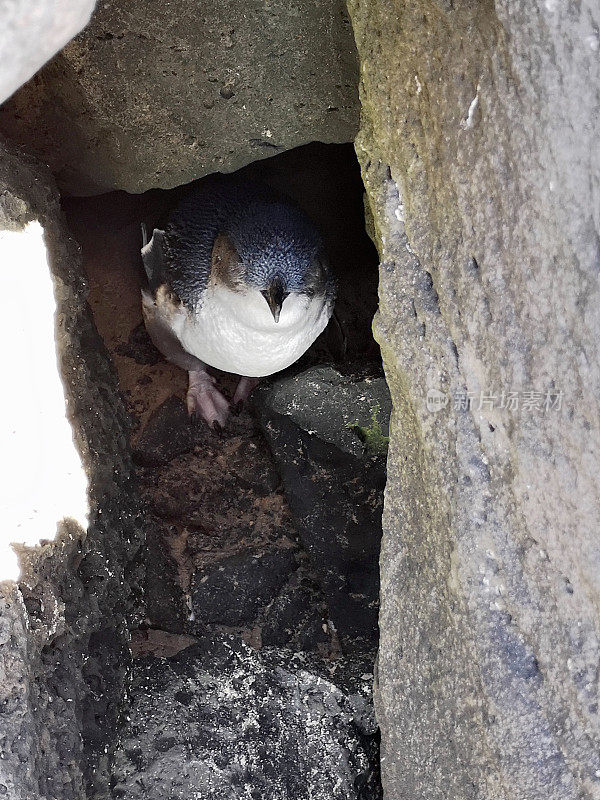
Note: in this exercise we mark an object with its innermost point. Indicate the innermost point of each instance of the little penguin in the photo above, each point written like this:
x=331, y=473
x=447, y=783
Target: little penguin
x=238, y=280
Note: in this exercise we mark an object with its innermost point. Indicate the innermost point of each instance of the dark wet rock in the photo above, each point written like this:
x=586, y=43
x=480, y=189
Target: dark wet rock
x=140, y=347
x=297, y=617
x=220, y=720
x=162, y=594
x=233, y=590
x=167, y=434
x=328, y=433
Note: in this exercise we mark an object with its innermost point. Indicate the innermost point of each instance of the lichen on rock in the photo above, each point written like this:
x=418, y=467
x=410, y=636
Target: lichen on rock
x=479, y=151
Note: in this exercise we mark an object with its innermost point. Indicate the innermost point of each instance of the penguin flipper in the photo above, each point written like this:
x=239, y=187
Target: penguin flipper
x=154, y=257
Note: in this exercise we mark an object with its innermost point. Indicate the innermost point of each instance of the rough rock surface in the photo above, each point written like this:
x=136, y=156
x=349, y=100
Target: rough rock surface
x=168, y=434
x=32, y=32
x=221, y=550
x=480, y=158
x=63, y=635
x=220, y=720
x=158, y=94
x=294, y=619
x=334, y=483
x=232, y=590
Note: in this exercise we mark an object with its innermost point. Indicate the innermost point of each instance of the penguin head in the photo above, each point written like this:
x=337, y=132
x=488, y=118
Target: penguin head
x=274, y=249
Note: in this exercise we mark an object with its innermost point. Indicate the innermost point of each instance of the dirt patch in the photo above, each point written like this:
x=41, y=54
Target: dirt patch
x=159, y=644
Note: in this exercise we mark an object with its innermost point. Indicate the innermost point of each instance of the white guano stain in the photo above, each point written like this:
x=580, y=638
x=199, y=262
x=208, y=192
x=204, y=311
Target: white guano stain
x=469, y=121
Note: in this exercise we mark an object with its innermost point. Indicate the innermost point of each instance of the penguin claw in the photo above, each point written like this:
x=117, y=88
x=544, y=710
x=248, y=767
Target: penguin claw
x=208, y=404
x=243, y=390
x=196, y=419
x=236, y=408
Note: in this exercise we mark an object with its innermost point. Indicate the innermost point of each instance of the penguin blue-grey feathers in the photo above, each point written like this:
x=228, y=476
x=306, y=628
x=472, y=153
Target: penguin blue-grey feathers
x=237, y=280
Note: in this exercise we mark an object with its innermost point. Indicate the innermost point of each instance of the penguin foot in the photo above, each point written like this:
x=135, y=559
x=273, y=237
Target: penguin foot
x=243, y=390
x=205, y=400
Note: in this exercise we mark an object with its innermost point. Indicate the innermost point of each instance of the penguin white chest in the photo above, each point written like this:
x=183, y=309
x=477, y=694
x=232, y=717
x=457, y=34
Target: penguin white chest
x=236, y=332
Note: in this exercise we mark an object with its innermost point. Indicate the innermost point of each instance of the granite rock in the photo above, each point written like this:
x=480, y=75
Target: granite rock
x=156, y=95
x=479, y=152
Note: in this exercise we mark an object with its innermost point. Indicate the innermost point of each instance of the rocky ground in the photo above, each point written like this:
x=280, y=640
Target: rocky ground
x=478, y=140
x=225, y=560
x=215, y=500
x=221, y=719
x=218, y=509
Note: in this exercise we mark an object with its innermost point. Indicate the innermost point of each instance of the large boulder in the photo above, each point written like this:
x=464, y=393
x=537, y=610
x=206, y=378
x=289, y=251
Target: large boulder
x=328, y=434
x=156, y=95
x=32, y=32
x=220, y=720
x=479, y=147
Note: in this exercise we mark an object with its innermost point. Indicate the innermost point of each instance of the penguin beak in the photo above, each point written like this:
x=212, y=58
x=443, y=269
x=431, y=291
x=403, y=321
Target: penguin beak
x=275, y=296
